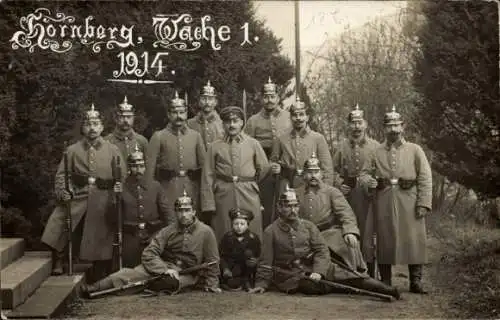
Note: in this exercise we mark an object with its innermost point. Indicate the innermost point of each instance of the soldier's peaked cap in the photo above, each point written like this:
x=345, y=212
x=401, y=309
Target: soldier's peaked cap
x=235, y=213
x=227, y=112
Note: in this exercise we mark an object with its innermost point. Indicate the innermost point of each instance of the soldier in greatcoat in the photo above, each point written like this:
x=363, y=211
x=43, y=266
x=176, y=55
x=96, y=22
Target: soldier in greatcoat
x=403, y=180
x=292, y=149
x=124, y=135
x=90, y=166
x=144, y=209
x=327, y=208
x=296, y=245
x=348, y=160
x=266, y=126
x=176, y=154
x=207, y=122
x=186, y=243
x=233, y=167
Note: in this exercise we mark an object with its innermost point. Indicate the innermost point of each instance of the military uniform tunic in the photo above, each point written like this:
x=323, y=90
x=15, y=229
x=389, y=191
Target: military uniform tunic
x=91, y=202
x=176, y=247
x=348, y=160
x=229, y=180
x=145, y=211
x=127, y=142
x=328, y=209
x=209, y=127
x=265, y=128
x=177, y=158
x=401, y=237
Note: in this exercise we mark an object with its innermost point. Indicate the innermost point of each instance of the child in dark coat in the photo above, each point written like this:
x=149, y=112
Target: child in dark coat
x=239, y=251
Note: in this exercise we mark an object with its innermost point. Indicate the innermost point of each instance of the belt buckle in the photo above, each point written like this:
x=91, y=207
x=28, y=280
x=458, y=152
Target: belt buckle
x=182, y=173
x=141, y=226
x=299, y=172
x=236, y=178
x=393, y=181
x=91, y=180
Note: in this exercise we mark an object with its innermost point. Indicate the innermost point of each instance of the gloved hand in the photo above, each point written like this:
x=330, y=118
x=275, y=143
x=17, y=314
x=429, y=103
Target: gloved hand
x=345, y=189
x=275, y=168
x=226, y=273
x=173, y=273
x=251, y=262
x=257, y=290
x=65, y=195
x=118, y=188
x=351, y=240
x=422, y=212
x=315, y=276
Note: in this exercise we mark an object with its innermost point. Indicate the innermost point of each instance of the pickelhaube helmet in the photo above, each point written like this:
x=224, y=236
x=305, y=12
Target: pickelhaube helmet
x=92, y=114
x=235, y=213
x=312, y=163
x=269, y=87
x=298, y=105
x=355, y=114
x=125, y=108
x=177, y=102
x=288, y=196
x=208, y=90
x=392, y=117
x=183, y=202
x=136, y=157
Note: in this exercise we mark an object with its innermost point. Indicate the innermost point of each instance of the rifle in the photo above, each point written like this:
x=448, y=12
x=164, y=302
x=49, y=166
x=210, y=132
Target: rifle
x=329, y=283
x=374, y=223
x=144, y=283
x=67, y=205
x=118, y=244
x=245, y=105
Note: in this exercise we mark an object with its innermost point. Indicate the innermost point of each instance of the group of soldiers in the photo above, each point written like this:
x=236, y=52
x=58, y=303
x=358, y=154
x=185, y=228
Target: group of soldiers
x=262, y=201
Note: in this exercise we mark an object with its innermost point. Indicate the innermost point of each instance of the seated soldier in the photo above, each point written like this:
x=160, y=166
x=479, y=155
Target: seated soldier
x=239, y=250
x=181, y=245
x=297, y=247
x=329, y=210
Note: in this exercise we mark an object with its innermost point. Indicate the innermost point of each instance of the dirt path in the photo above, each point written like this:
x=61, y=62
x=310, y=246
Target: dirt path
x=272, y=305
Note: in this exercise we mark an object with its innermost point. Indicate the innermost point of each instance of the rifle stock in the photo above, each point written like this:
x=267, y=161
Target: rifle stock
x=118, y=245
x=144, y=283
x=67, y=205
x=329, y=283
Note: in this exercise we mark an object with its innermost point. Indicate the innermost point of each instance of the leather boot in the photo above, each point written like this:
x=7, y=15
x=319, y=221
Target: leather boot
x=385, y=273
x=57, y=263
x=374, y=285
x=415, y=271
x=371, y=270
x=100, y=285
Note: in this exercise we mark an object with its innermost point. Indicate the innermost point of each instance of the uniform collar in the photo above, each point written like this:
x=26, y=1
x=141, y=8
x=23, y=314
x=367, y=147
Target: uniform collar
x=182, y=130
x=201, y=118
x=320, y=186
x=190, y=228
x=267, y=115
x=238, y=139
x=120, y=135
x=396, y=144
x=285, y=226
x=97, y=145
x=360, y=142
x=302, y=133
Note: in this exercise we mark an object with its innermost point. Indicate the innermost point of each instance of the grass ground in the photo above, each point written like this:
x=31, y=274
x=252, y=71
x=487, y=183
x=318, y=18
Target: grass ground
x=463, y=278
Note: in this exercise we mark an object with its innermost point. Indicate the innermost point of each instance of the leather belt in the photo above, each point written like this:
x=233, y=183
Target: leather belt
x=325, y=225
x=235, y=179
x=132, y=227
x=404, y=184
x=81, y=181
x=167, y=174
x=351, y=182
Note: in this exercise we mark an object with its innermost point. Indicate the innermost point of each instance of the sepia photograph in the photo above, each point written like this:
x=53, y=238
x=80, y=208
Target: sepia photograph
x=301, y=159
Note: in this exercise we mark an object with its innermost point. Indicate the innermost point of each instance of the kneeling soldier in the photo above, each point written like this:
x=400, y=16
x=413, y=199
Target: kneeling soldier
x=181, y=245
x=296, y=246
x=239, y=250
x=145, y=209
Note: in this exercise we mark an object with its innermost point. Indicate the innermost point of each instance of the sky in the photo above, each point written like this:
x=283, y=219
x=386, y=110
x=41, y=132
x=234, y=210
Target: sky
x=319, y=21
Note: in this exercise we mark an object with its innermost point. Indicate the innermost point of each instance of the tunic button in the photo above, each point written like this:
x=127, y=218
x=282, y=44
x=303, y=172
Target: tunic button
x=141, y=206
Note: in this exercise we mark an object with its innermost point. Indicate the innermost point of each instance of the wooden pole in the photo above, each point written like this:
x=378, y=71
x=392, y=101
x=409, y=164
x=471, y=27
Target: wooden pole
x=297, y=50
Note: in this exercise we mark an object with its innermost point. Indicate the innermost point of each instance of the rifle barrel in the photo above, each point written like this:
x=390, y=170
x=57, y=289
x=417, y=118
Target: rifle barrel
x=69, y=222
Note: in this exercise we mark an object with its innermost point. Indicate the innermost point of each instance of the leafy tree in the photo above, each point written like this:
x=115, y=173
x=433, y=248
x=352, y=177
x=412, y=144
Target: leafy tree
x=457, y=77
x=43, y=92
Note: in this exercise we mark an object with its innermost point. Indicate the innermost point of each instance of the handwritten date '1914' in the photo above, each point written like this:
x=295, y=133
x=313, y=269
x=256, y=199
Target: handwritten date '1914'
x=132, y=64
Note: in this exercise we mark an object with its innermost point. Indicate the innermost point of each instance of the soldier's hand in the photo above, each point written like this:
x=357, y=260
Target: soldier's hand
x=227, y=273
x=66, y=195
x=315, y=276
x=422, y=212
x=173, y=273
x=372, y=183
x=118, y=187
x=351, y=240
x=275, y=168
x=213, y=289
x=257, y=290
x=251, y=262
x=345, y=189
